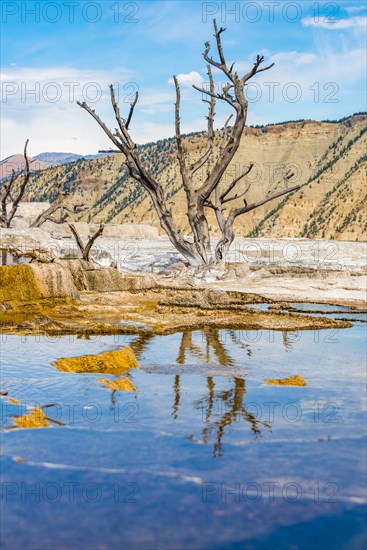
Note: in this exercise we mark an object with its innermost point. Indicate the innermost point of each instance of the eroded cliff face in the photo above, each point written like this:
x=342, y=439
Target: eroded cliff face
x=330, y=158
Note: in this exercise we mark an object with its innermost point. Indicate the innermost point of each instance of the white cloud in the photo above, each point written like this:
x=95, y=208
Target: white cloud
x=338, y=24
x=188, y=79
x=51, y=85
x=355, y=9
x=41, y=104
x=306, y=68
x=294, y=58
x=307, y=85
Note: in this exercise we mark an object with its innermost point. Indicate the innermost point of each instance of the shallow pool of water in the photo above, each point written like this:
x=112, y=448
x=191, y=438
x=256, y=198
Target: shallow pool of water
x=203, y=455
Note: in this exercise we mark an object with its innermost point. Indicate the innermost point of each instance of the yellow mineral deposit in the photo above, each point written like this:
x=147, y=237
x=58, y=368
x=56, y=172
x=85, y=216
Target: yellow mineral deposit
x=121, y=384
x=34, y=419
x=18, y=283
x=296, y=380
x=19, y=459
x=109, y=362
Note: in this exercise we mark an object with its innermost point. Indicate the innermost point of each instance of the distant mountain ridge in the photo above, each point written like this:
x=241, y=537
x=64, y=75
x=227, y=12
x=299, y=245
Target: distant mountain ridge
x=41, y=161
x=65, y=158
x=16, y=163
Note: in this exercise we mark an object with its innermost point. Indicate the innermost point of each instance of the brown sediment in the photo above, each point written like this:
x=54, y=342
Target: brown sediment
x=34, y=419
x=41, y=322
x=109, y=362
x=122, y=384
x=296, y=380
x=170, y=319
x=141, y=307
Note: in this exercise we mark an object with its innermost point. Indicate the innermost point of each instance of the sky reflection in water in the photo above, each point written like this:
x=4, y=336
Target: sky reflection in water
x=203, y=455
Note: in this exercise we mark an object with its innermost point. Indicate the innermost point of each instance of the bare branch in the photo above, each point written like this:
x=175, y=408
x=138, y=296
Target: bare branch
x=235, y=181
x=77, y=237
x=211, y=115
x=131, y=110
x=181, y=153
x=180, y=149
x=85, y=249
x=106, y=130
x=237, y=196
x=42, y=255
x=225, y=127
x=109, y=151
x=195, y=166
x=91, y=240
x=123, y=135
x=224, y=97
x=222, y=65
x=252, y=206
x=7, y=187
x=255, y=69
x=7, y=218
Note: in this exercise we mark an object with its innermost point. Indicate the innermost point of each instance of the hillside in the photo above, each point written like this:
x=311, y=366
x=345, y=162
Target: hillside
x=329, y=158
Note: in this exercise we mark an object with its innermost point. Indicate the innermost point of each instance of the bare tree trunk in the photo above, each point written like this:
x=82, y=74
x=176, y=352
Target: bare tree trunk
x=206, y=193
x=42, y=255
x=7, y=192
x=85, y=248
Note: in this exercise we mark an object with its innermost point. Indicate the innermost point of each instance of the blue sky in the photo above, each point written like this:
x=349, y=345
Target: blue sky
x=57, y=52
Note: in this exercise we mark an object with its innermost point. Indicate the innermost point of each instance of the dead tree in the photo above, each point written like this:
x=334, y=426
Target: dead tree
x=11, y=196
x=42, y=255
x=58, y=206
x=85, y=248
x=206, y=193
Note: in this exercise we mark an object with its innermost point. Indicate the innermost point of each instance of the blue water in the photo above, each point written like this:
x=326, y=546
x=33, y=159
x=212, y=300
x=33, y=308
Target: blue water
x=203, y=455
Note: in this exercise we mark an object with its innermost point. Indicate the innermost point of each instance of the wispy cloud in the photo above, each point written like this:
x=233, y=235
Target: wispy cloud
x=355, y=9
x=359, y=21
x=156, y=101
x=33, y=85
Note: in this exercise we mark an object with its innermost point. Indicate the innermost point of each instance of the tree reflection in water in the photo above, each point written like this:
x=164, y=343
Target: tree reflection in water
x=228, y=403
x=228, y=406
x=220, y=408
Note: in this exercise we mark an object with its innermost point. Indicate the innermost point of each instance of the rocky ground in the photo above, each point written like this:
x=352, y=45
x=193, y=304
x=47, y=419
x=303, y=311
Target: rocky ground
x=280, y=269
x=143, y=285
